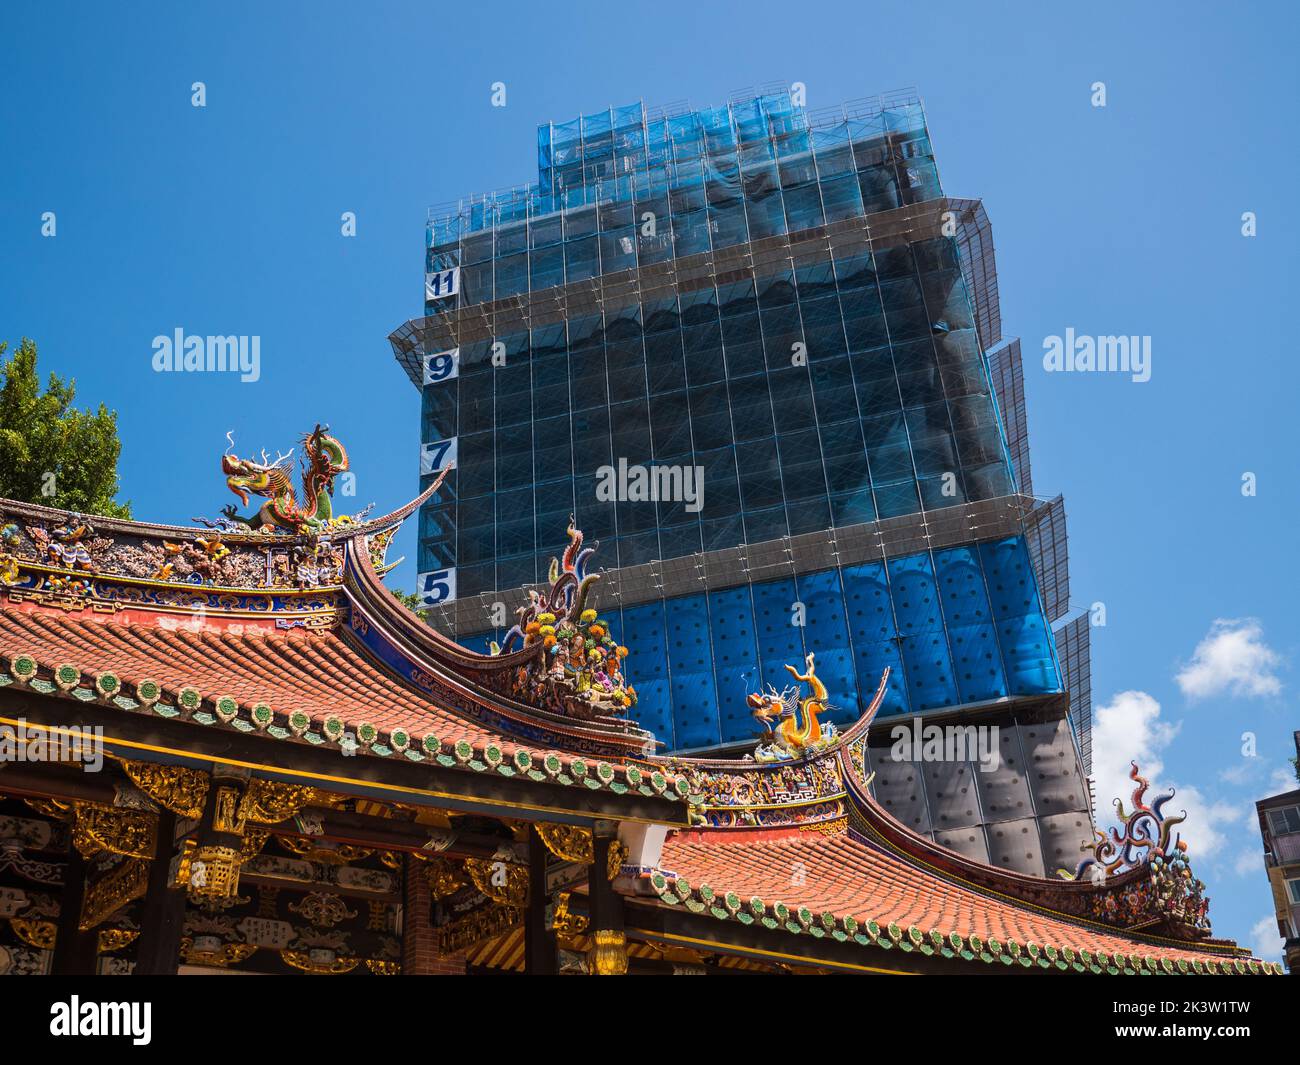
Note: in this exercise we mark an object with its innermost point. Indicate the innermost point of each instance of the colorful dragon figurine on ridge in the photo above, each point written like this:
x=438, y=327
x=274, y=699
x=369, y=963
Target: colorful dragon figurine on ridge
x=566, y=599
x=282, y=512
x=580, y=670
x=798, y=731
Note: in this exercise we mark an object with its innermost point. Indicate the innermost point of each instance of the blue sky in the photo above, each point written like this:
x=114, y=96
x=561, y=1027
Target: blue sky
x=1117, y=220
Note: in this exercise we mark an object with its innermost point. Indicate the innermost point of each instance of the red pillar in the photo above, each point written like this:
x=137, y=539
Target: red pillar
x=420, y=955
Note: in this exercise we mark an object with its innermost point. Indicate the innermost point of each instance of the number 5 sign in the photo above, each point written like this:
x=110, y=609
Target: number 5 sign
x=436, y=587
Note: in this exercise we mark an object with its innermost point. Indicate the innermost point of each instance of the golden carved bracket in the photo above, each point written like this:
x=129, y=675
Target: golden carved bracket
x=268, y=802
x=443, y=877
x=114, y=890
x=182, y=791
x=569, y=843
x=111, y=939
x=567, y=923
x=504, y=884
x=618, y=854
x=38, y=934
x=572, y=843
x=131, y=833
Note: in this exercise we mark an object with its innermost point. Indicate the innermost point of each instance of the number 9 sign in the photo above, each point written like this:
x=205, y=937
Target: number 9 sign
x=441, y=366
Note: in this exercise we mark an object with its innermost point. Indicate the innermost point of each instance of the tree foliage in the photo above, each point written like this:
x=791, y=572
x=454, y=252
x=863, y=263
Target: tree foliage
x=50, y=451
x=409, y=600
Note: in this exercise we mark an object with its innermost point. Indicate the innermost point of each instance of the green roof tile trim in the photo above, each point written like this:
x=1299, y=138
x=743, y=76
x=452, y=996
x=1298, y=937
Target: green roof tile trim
x=677, y=891
x=67, y=676
x=23, y=666
x=108, y=685
x=148, y=694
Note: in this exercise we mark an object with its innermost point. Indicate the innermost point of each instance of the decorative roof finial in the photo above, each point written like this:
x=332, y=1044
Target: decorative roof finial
x=1148, y=840
x=580, y=669
x=270, y=478
x=798, y=732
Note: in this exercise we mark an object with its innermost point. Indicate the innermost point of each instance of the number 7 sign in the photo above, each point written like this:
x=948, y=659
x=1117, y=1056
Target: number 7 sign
x=437, y=456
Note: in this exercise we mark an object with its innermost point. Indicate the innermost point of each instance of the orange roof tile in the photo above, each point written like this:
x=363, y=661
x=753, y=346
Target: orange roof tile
x=845, y=876
x=317, y=672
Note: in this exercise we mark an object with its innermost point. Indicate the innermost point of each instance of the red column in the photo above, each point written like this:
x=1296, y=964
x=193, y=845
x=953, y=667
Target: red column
x=420, y=955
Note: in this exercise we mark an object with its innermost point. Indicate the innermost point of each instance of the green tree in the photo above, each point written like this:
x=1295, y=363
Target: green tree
x=50, y=451
x=409, y=600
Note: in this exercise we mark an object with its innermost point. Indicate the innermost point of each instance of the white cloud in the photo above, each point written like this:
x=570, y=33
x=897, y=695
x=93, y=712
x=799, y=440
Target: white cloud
x=1265, y=941
x=1232, y=658
x=1129, y=728
x=1249, y=862
x=1244, y=772
x=1284, y=779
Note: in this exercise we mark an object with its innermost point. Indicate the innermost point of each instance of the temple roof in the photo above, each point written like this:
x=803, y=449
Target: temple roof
x=317, y=672
x=312, y=684
x=289, y=635
x=842, y=876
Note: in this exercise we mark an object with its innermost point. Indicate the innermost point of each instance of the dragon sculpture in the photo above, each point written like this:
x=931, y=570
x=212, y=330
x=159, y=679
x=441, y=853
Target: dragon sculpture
x=798, y=732
x=282, y=512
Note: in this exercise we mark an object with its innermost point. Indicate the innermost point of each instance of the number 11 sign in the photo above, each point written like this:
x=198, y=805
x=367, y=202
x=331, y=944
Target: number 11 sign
x=442, y=283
